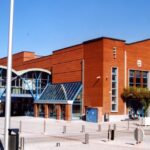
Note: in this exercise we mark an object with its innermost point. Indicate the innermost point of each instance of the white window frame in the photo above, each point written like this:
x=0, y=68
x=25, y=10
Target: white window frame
x=148, y=77
x=117, y=75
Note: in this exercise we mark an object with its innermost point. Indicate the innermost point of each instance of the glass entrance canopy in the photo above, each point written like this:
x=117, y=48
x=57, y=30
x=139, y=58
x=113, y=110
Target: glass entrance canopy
x=60, y=93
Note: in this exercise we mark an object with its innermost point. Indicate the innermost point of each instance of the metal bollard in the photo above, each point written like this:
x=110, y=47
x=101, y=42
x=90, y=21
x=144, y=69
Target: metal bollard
x=64, y=129
x=99, y=128
x=109, y=126
x=128, y=123
x=44, y=129
x=108, y=135
x=57, y=144
x=112, y=134
x=83, y=128
x=22, y=143
x=20, y=126
x=86, y=138
x=115, y=127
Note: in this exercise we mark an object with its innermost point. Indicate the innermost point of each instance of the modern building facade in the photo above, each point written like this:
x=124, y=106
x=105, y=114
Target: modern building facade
x=65, y=84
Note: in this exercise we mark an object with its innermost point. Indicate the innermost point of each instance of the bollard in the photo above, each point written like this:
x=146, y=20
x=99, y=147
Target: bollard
x=83, y=128
x=57, y=144
x=44, y=129
x=64, y=129
x=109, y=127
x=138, y=135
x=114, y=127
x=108, y=136
x=86, y=138
x=99, y=128
x=112, y=134
x=128, y=123
x=22, y=143
x=20, y=126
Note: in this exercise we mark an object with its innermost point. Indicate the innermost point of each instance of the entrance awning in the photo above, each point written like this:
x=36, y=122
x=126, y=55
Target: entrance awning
x=60, y=93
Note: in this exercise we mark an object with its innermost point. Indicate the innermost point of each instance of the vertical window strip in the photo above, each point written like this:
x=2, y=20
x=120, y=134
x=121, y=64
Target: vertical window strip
x=114, y=89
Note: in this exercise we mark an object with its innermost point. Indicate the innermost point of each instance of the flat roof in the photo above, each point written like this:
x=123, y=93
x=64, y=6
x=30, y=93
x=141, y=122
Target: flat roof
x=103, y=37
x=138, y=41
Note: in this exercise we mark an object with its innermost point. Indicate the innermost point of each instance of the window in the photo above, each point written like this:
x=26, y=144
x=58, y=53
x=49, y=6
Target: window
x=138, y=78
x=114, y=52
x=114, y=90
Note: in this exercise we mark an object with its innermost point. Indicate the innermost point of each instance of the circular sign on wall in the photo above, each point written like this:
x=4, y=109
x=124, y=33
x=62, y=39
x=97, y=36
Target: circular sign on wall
x=139, y=63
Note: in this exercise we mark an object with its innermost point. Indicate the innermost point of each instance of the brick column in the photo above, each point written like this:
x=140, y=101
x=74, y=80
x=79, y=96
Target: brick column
x=46, y=111
x=36, y=110
x=50, y=109
x=100, y=114
x=58, y=111
x=68, y=112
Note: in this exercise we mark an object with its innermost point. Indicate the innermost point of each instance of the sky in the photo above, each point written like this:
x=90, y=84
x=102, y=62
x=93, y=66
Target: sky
x=42, y=26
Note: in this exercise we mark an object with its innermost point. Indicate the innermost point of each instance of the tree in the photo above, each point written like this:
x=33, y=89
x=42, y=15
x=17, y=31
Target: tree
x=137, y=97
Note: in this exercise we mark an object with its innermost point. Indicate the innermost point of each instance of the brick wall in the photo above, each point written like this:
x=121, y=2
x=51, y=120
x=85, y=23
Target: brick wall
x=93, y=57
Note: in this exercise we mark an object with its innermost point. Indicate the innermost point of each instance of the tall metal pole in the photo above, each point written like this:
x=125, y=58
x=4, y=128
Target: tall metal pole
x=9, y=73
x=125, y=78
x=83, y=109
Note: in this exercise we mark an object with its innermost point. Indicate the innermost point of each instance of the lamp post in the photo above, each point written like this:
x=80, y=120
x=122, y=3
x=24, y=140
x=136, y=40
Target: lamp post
x=9, y=73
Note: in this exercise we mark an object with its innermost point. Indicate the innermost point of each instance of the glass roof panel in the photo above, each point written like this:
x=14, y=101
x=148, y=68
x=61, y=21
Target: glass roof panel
x=60, y=92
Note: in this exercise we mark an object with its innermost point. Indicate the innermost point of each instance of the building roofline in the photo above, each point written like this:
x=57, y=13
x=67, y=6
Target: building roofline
x=88, y=41
x=67, y=47
x=23, y=52
x=18, y=53
x=138, y=41
x=103, y=37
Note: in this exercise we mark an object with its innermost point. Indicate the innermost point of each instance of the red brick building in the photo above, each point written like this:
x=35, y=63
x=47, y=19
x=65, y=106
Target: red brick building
x=103, y=66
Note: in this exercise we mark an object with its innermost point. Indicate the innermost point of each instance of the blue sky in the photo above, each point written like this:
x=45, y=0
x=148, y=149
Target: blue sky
x=42, y=26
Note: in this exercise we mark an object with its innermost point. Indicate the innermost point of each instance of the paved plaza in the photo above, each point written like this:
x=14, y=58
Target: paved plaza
x=51, y=134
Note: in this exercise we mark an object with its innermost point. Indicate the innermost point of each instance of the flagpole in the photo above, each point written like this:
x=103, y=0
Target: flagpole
x=9, y=73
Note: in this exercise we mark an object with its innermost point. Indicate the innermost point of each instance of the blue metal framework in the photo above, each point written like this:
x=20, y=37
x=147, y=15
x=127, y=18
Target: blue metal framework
x=35, y=82
x=29, y=84
x=3, y=82
x=60, y=93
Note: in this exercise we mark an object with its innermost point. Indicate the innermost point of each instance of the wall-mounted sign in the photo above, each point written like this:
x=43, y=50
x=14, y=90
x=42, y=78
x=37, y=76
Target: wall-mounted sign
x=139, y=63
x=29, y=84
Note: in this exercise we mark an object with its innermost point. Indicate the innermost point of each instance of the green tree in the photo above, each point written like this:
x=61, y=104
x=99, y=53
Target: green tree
x=137, y=97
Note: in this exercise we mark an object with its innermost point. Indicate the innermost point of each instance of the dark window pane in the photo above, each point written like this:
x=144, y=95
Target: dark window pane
x=132, y=72
x=114, y=77
x=114, y=70
x=131, y=79
x=144, y=80
x=131, y=84
x=113, y=107
x=113, y=92
x=138, y=80
x=138, y=74
x=138, y=85
x=113, y=84
x=114, y=99
x=145, y=74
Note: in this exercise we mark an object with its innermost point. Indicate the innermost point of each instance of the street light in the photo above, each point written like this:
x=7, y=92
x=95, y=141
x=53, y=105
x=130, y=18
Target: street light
x=9, y=73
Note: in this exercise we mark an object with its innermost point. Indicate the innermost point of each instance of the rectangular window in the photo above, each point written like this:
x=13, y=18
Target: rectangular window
x=114, y=90
x=138, y=78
